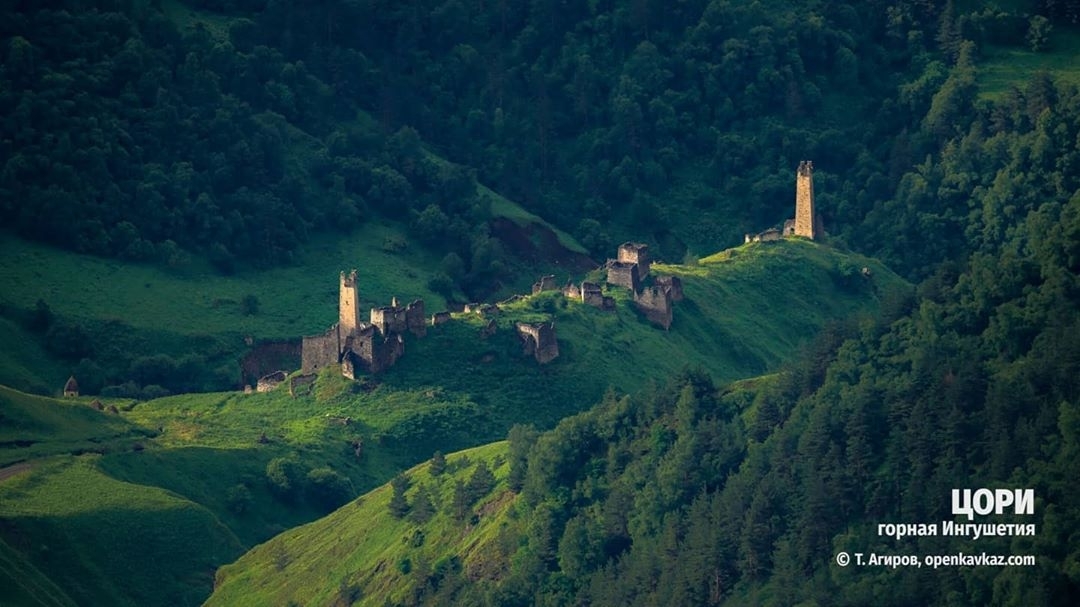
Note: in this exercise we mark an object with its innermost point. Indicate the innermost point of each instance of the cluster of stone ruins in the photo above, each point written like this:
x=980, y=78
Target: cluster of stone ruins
x=376, y=345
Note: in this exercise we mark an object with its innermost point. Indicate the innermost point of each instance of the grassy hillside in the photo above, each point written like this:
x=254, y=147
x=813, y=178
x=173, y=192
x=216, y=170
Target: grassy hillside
x=34, y=426
x=363, y=554
x=1005, y=67
x=106, y=542
x=746, y=310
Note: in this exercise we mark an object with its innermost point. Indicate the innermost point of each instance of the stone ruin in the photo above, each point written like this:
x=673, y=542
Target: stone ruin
x=439, y=318
x=635, y=253
x=270, y=381
x=481, y=309
x=538, y=340
x=395, y=319
x=71, y=387
x=571, y=290
x=357, y=346
x=624, y=274
x=672, y=284
x=301, y=384
x=767, y=236
x=630, y=270
x=655, y=302
x=546, y=283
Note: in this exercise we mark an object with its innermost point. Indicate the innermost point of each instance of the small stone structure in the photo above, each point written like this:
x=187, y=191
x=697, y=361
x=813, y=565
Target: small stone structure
x=767, y=236
x=571, y=290
x=356, y=346
x=635, y=252
x=630, y=271
x=538, y=340
x=415, y=318
x=546, y=283
x=672, y=284
x=592, y=295
x=439, y=318
x=624, y=274
x=655, y=302
x=71, y=387
x=267, y=383
x=301, y=382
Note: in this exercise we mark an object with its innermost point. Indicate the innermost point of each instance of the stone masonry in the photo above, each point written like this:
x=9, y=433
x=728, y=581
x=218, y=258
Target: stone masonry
x=624, y=274
x=635, y=252
x=357, y=346
x=538, y=339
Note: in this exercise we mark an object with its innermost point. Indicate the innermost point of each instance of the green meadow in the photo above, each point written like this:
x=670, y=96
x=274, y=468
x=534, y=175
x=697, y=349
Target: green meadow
x=1005, y=67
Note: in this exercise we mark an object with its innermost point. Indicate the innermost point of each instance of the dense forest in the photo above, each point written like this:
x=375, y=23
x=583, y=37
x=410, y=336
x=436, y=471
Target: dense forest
x=128, y=135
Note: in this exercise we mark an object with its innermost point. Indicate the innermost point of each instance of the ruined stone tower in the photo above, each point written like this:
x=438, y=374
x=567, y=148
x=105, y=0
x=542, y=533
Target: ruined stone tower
x=804, y=200
x=348, y=305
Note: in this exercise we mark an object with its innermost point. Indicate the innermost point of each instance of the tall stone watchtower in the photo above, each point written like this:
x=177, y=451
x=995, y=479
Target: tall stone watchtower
x=348, y=305
x=804, y=200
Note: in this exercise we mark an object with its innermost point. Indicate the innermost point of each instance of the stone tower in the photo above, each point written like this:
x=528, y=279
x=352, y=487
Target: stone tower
x=348, y=305
x=804, y=200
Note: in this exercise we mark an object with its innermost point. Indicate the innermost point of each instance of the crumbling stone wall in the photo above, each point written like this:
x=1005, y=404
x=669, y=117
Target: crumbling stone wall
x=389, y=319
x=635, y=252
x=624, y=274
x=538, y=340
x=772, y=233
x=267, y=356
x=415, y=318
x=571, y=291
x=370, y=350
x=592, y=295
x=301, y=383
x=320, y=351
x=268, y=382
x=672, y=284
x=439, y=318
x=655, y=302
x=546, y=283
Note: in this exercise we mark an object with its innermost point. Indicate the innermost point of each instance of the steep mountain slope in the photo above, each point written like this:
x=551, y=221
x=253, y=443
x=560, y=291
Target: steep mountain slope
x=364, y=554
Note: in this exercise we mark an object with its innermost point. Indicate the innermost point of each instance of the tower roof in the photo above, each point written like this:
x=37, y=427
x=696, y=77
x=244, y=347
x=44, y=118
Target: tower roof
x=71, y=385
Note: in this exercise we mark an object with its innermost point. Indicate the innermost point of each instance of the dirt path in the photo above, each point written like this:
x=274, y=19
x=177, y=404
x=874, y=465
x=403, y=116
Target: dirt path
x=12, y=470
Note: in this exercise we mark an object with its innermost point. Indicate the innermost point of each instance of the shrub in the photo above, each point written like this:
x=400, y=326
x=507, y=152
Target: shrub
x=283, y=476
x=239, y=499
x=328, y=489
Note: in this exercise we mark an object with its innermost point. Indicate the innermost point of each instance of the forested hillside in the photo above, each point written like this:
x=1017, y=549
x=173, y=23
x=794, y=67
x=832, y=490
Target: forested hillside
x=147, y=131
